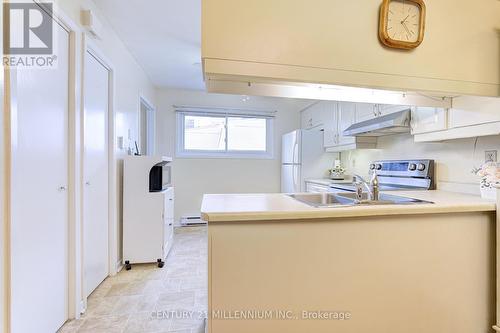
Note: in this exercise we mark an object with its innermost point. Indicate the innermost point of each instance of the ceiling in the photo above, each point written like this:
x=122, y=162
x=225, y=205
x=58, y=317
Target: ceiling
x=164, y=36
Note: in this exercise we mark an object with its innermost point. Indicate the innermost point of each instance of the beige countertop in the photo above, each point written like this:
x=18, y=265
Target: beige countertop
x=265, y=207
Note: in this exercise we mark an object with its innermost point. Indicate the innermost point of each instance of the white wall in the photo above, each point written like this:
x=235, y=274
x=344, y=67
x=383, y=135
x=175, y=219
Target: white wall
x=455, y=158
x=130, y=82
x=194, y=177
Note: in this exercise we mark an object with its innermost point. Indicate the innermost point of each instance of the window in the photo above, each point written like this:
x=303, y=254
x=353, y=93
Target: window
x=224, y=135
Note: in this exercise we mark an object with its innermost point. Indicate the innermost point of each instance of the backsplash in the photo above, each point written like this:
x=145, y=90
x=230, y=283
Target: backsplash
x=455, y=159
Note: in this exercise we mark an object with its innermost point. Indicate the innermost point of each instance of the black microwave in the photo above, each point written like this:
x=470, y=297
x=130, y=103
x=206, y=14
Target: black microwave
x=160, y=177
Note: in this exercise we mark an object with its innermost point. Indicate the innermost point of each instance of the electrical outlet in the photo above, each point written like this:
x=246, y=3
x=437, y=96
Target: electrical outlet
x=490, y=156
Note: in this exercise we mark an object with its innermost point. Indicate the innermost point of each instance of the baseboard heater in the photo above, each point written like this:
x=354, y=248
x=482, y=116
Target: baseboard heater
x=191, y=221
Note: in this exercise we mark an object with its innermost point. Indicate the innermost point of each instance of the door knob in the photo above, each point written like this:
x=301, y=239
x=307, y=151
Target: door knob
x=62, y=188
x=87, y=183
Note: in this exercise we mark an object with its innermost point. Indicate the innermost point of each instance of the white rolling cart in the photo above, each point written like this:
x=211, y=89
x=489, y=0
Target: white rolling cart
x=148, y=210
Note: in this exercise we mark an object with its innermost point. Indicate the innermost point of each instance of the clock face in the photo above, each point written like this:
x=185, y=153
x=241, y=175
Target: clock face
x=403, y=21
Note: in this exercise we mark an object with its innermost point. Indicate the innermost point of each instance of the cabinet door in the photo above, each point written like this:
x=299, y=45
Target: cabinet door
x=331, y=131
x=347, y=117
x=385, y=109
x=426, y=119
x=365, y=111
x=168, y=220
x=469, y=111
x=328, y=115
x=306, y=120
x=313, y=116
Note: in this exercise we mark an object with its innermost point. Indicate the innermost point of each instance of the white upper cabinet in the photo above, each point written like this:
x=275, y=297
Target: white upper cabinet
x=425, y=120
x=347, y=117
x=317, y=115
x=468, y=111
x=310, y=44
x=365, y=111
x=469, y=117
x=331, y=128
x=308, y=119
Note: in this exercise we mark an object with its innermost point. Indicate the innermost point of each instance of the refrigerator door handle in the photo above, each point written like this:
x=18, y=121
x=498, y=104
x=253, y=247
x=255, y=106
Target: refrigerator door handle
x=295, y=178
x=295, y=152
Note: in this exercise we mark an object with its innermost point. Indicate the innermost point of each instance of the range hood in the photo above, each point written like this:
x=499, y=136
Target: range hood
x=394, y=123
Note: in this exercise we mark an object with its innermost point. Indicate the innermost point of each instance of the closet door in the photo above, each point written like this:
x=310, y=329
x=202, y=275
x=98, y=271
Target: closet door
x=39, y=225
x=95, y=171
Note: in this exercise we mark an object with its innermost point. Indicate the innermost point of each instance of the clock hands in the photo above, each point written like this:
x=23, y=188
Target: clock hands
x=406, y=28
x=403, y=23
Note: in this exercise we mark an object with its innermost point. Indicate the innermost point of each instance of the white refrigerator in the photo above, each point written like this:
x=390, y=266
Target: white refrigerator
x=303, y=157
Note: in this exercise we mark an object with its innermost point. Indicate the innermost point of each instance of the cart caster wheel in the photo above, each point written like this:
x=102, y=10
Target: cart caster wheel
x=128, y=266
x=160, y=263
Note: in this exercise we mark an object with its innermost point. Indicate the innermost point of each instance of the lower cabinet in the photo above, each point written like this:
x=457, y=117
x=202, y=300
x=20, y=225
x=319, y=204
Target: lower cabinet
x=148, y=222
x=168, y=221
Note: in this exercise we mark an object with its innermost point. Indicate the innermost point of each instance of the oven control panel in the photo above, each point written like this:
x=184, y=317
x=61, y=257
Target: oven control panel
x=404, y=168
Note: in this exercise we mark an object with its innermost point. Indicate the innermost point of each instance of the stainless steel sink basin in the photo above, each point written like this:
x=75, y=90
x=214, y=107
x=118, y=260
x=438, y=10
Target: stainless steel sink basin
x=323, y=199
x=384, y=199
x=350, y=199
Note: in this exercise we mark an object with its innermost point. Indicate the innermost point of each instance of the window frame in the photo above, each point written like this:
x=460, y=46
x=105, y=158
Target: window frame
x=181, y=152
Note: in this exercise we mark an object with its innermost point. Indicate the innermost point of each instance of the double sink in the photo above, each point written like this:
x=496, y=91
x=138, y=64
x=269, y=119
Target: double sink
x=344, y=199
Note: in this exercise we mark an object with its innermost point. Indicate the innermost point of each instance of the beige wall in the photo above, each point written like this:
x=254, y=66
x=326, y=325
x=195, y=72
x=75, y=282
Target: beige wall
x=193, y=177
x=455, y=158
x=130, y=82
x=336, y=41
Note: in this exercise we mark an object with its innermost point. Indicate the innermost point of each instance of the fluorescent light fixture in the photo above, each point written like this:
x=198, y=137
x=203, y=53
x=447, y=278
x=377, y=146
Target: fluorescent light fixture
x=326, y=92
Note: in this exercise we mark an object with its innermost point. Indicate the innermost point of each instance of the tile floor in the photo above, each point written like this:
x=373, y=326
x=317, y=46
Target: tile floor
x=148, y=299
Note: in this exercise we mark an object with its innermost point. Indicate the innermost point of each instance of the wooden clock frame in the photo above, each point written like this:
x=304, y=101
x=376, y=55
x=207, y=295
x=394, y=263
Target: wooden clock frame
x=398, y=44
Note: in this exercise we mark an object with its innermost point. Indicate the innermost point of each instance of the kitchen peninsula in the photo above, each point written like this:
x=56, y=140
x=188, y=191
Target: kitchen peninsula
x=390, y=268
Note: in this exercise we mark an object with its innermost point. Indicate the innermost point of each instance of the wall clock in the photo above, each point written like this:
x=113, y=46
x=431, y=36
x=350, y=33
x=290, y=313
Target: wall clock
x=402, y=23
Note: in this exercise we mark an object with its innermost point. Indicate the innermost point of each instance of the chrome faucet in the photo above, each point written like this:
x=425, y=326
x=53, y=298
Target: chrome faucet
x=371, y=187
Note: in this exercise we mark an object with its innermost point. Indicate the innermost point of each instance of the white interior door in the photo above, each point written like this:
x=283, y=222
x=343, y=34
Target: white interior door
x=39, y=226
x=95, y=173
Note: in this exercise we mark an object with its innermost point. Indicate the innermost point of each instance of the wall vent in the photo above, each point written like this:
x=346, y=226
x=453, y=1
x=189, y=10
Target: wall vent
x=192, y=220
